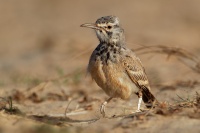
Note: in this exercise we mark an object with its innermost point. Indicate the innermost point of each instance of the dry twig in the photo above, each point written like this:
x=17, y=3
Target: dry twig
x=187, y=58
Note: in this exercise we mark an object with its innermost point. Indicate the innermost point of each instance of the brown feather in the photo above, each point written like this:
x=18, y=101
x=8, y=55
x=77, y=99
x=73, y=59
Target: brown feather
x=139, y=78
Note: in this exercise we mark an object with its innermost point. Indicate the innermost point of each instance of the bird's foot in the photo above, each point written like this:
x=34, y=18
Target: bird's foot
x=138, y=110
x=102, y=109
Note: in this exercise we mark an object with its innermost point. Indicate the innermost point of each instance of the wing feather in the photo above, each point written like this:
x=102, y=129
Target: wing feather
x=137, y=74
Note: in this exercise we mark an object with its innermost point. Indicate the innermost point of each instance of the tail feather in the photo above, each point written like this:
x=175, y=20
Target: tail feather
x=148, y=98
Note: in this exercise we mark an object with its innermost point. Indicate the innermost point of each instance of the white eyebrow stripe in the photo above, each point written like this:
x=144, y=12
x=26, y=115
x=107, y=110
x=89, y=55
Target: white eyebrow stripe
x=102, y=25
x=105, y=25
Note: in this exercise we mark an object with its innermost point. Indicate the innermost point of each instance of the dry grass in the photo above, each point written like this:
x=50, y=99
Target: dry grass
x=182, y=55
x=44, y=55
x=180, y=108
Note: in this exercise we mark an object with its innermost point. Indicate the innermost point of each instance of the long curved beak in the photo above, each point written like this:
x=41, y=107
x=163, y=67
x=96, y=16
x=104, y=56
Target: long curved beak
x=90, y=25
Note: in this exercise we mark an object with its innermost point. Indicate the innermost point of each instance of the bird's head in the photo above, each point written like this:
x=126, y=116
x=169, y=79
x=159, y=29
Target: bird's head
x=107, y=29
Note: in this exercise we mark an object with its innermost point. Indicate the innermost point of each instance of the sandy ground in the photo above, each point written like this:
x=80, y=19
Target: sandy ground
x=44, y=55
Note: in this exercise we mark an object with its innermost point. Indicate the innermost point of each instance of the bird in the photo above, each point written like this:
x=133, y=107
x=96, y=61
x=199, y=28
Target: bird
x=116, y=68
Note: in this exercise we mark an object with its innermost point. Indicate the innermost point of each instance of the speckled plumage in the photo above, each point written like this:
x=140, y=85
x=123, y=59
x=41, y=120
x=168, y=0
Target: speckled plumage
x=114, y=67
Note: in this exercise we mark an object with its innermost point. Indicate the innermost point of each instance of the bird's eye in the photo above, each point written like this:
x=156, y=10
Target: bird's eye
x=109, y=27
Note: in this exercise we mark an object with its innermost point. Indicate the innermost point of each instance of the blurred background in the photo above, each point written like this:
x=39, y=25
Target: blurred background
x=42, y=40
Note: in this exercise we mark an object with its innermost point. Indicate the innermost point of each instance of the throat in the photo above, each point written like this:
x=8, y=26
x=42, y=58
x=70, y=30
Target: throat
x=111, y=39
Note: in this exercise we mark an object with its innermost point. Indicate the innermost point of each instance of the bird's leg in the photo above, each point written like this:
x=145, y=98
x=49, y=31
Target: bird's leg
x=139, y=101
x=139, y=104
x=102, y=108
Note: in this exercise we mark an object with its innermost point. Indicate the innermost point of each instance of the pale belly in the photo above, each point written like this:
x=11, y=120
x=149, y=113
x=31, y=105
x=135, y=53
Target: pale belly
x=113, y=79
